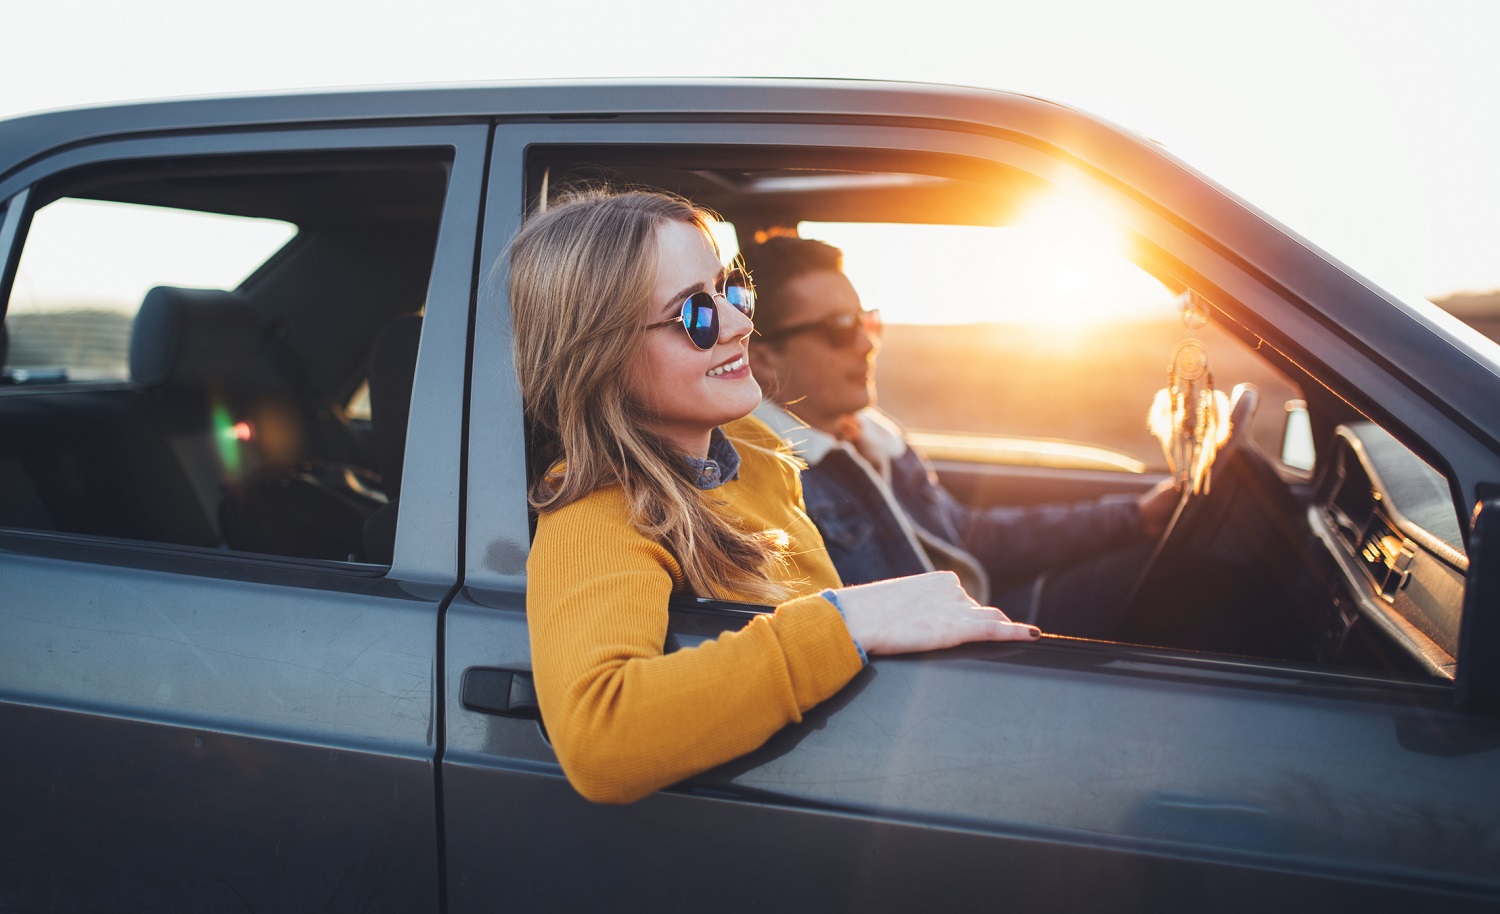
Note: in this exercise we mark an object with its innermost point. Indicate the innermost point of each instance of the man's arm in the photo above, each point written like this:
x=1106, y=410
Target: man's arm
x=1021, y=542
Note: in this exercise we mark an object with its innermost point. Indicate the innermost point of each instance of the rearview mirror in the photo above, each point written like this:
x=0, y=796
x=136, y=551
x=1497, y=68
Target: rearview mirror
x=1297, y=436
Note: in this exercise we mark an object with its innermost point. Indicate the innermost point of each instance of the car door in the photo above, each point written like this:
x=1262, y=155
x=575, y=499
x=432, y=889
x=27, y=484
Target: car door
x=190, y=725
x=1064, y=775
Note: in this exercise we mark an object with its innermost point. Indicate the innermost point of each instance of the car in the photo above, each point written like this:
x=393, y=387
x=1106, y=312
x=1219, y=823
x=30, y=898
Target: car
x=264, y=528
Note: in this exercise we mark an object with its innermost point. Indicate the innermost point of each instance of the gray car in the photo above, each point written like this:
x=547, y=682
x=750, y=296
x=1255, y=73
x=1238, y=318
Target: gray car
x=263, y=536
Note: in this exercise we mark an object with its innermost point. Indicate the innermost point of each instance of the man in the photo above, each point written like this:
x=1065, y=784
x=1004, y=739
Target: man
x=878, y=503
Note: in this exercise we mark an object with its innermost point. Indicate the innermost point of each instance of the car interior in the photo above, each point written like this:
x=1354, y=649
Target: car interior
x=236, y=421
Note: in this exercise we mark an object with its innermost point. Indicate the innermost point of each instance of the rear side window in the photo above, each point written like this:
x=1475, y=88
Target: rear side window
x=88, y=264
x=183, y=336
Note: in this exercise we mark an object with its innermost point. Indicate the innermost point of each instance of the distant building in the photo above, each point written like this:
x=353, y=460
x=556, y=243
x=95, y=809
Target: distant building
x=1480, y=310
x=90, y=342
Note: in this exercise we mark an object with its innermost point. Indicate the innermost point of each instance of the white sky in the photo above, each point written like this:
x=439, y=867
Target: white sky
x=1372, y=127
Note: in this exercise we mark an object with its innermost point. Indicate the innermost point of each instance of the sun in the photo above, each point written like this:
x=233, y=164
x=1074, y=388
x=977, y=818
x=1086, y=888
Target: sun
x=1059, y=268
x=1078, y=273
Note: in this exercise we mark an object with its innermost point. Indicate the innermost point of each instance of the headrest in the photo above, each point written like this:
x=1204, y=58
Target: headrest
x=193, y=338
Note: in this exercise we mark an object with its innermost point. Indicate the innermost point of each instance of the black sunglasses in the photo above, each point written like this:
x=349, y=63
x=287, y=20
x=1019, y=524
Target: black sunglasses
x=840, y=330
x=700, y=313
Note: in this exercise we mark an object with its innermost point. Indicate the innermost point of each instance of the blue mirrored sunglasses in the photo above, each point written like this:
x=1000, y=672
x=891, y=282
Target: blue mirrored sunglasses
x=700, y=313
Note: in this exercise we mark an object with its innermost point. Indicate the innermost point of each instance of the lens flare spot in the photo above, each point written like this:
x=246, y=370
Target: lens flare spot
x=227, y=440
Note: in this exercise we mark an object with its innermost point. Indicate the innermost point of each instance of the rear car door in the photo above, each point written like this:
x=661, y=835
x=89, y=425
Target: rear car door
x=212, y=696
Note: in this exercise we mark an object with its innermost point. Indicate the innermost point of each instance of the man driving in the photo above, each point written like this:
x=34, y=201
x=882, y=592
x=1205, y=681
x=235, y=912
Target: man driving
x=878, y=503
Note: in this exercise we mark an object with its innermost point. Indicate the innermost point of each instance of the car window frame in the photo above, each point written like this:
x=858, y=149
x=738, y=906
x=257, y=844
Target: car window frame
x=12, y=211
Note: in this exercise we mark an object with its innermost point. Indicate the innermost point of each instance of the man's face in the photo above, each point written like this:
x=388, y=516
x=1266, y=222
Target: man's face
x=805, y=372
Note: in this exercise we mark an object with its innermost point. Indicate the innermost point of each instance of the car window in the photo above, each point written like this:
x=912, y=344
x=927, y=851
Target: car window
x=185, y=336
x=70, y=312
x=1044, y=354
x=727, y=239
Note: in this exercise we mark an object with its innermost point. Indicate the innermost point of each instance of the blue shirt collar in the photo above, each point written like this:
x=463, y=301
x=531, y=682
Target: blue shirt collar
x=721, y=465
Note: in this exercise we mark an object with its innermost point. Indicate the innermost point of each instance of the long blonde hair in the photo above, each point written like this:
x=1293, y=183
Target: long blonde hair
x=582, y=273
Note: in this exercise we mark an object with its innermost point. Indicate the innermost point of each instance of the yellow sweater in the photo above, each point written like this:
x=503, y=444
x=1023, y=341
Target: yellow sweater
x=626, y=719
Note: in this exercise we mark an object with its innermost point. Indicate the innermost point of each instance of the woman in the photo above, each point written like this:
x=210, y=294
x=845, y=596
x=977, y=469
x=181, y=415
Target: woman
x=631, y=343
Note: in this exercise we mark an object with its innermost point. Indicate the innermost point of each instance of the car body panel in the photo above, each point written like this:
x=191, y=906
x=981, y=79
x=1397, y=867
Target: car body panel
x=1103, y=753
x=147, y=709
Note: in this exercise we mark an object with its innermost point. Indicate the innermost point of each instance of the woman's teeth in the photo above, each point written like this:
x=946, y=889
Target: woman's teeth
x=736, y=365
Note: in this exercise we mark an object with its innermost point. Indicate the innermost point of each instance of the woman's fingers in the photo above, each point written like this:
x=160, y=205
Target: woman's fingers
x=996, y=626
x=998, y=613
x=1014, y=631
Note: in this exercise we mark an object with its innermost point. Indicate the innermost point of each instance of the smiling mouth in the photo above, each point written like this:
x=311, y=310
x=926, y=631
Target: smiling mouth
x=727, y=367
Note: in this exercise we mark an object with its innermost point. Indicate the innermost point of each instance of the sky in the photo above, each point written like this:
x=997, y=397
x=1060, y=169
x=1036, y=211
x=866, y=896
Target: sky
x=1371, y=128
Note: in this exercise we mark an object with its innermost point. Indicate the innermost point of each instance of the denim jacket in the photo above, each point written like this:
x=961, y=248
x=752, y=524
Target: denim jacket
x=897, y=519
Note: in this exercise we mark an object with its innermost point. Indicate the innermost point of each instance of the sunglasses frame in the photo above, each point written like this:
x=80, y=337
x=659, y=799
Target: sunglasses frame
x=699, y=301
x=867, y=319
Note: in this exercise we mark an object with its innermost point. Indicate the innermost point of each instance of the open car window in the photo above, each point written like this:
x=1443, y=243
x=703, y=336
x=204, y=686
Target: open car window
x=1033, y=325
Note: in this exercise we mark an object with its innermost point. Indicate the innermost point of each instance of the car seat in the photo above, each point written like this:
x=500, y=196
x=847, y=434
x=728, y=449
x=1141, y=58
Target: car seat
x=239, y=429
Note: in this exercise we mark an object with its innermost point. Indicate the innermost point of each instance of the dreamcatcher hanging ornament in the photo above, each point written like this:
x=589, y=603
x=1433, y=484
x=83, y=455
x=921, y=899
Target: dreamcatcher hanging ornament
x=1190, y=417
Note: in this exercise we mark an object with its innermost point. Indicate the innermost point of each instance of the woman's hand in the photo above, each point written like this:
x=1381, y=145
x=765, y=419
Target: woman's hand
x=923, y=612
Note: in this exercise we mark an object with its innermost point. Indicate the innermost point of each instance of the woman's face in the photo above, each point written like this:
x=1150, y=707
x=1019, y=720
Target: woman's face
x=688, y=391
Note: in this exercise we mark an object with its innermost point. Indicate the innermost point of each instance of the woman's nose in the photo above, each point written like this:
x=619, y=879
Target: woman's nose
x=733, y=324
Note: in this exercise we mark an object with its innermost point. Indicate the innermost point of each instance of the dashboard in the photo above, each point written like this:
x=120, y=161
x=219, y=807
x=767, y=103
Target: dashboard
x=1388, y=520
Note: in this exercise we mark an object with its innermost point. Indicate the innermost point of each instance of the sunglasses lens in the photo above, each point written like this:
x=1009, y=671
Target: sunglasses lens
x=840, y=334
x=841, y=330
x=701, y=320
x=740, y=293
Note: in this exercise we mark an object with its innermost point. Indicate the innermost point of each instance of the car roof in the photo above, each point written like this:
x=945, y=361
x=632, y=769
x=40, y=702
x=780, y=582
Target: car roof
x=25, y=137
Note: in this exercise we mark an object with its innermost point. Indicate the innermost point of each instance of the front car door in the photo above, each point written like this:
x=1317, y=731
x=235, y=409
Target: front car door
x=1064, y=775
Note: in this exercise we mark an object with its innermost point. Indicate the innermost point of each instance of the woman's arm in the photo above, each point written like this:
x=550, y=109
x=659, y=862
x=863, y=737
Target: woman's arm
x=626, y=719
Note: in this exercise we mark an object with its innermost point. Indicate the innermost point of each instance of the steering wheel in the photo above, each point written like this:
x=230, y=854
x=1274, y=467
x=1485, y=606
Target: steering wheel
x=1195, y=515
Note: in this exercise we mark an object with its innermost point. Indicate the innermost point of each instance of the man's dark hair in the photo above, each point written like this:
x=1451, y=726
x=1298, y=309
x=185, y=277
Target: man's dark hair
x=776, y=262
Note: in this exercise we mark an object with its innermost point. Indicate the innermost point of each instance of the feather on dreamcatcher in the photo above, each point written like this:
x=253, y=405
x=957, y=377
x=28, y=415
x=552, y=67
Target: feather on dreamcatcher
x=1190, y=417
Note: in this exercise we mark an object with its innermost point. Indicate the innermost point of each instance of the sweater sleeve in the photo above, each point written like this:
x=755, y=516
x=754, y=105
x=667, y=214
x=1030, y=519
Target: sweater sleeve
x=626, y=719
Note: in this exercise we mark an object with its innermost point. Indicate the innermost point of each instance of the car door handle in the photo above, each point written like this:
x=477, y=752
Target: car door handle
x=494, y=690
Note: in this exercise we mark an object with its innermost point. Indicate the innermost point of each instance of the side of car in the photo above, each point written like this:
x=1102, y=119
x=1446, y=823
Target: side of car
x=238, y=714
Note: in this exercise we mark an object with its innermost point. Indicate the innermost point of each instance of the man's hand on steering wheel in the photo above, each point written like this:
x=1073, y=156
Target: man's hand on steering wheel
x=1157, y=506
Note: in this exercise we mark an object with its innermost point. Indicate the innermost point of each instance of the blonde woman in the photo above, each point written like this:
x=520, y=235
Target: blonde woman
x=631, y=342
